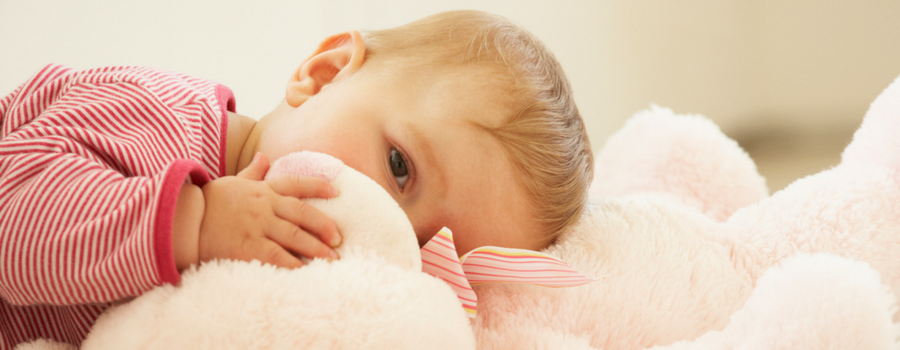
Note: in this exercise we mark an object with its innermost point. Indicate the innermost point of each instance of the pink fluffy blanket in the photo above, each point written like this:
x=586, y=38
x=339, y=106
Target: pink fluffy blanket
x=694, y=252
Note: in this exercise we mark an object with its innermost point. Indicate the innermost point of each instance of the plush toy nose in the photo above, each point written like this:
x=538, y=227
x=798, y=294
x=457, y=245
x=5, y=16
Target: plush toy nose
x=307, y=163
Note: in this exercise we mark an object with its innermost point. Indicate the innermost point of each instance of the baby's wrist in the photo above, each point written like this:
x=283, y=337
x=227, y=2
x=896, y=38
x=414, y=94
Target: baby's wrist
x=186, y=228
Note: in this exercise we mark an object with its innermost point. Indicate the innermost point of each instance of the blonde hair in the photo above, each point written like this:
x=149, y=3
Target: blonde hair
x=544, y=135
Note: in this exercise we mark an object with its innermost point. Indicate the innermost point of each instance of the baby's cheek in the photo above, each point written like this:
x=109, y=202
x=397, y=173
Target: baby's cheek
x=425, y=234
x=492, y=233
x=466, y=242
x=273, y=148
x=353, y=150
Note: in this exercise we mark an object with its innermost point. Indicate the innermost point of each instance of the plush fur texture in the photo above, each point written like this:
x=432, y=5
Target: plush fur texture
x=682, y=159
x=684, y=264
x=694, y=254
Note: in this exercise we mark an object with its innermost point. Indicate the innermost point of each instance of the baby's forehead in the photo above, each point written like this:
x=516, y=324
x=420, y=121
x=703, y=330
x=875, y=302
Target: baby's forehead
x=474, y=95
x=466, y=106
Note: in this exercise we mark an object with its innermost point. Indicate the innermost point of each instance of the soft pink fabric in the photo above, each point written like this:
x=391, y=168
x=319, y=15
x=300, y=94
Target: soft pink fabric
x=698, y=258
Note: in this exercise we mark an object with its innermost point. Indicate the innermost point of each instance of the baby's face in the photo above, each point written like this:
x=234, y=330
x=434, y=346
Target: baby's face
x=416, y=138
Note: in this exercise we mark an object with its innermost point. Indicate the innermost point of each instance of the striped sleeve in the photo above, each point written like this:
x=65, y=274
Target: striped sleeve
x=91, y=164
x=4, y=106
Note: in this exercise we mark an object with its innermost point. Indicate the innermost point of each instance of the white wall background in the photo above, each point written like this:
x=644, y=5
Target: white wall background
x=748, y=65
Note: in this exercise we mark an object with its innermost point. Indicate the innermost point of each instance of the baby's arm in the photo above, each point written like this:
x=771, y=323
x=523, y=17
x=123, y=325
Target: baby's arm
x=243, y=217
x=91, y=167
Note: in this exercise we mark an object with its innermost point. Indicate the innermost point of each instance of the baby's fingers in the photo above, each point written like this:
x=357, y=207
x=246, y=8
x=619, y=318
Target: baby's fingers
x=299, y=241
x=302, y=187
x=257, y=168
x=308, y=218
x=268, y=252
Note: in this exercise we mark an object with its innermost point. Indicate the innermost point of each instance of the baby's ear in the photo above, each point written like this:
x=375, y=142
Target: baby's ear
x=338, y=57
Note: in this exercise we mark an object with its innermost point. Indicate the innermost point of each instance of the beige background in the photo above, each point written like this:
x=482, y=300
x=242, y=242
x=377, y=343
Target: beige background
x=790, y=80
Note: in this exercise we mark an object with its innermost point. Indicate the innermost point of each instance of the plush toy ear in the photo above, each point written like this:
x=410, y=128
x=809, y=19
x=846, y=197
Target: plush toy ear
x=488, y=264
x=337, y=58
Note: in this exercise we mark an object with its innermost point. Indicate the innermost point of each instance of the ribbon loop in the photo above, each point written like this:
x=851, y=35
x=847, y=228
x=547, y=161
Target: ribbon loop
x=490, y=264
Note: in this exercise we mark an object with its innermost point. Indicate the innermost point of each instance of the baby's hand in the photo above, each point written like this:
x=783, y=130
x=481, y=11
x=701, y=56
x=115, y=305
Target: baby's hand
x=249, y=218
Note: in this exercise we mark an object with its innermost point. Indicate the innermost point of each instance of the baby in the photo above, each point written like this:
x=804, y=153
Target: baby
x=115, y=179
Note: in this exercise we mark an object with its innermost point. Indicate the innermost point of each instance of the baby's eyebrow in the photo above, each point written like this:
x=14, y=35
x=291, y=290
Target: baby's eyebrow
x=423, y=146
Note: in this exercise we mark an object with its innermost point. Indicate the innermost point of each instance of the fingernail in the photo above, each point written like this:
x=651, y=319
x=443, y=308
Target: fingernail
x=335, y=191
x=336, y=241
x=255, y=158
x=334, y=255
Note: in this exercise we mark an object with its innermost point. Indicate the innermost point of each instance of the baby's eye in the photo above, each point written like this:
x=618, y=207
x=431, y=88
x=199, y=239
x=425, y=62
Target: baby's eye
x=398, y=168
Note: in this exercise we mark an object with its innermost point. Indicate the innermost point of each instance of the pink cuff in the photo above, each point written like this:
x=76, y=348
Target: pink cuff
x=173, y=178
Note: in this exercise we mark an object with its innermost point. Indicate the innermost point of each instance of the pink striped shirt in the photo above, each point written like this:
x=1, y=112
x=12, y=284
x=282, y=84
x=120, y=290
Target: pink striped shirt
x=91, y=163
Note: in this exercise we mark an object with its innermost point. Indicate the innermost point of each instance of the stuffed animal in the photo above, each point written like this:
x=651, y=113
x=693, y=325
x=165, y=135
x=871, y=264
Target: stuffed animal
x=697, y=258
x=695, y=255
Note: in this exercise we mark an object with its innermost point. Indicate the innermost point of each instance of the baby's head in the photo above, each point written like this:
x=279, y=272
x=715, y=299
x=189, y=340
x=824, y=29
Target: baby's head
x=464, y=118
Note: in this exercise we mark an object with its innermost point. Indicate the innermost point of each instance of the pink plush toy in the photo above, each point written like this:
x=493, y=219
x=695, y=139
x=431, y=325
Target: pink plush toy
x=698, y=258
x=695, y=255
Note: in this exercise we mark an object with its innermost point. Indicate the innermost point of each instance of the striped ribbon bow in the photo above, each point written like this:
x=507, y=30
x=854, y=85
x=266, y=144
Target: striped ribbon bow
x=492, y=265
